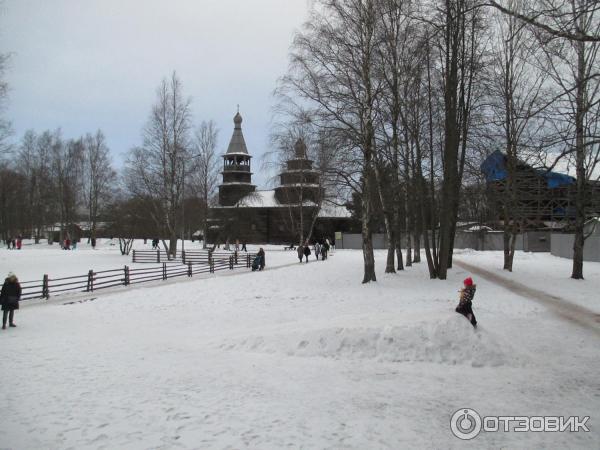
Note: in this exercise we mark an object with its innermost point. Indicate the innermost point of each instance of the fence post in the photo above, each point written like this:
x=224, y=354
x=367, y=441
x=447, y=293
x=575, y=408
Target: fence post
x=235, y=255
x=158, y=256
x=45, y=287
x=164, y=271
x=248, y=265
x=211, y=263
x=231, y=262
x=90, y=281
x=183, y=256
x=126, y=270
x=134, y=255
x=189, y=268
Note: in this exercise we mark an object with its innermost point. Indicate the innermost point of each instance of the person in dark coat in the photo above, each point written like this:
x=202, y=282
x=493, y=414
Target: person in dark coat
x=324, y=251
x=465, y=304
x=261, y=259
x=300, y=251
x=306, y=251
x=9, y=298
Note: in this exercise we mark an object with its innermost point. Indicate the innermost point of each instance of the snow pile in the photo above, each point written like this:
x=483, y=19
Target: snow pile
x=448, y=339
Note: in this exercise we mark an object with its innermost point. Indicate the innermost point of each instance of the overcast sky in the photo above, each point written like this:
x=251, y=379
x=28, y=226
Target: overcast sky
x=88, y=64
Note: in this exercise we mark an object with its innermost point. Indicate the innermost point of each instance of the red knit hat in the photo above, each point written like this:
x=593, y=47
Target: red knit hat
x=468, y=281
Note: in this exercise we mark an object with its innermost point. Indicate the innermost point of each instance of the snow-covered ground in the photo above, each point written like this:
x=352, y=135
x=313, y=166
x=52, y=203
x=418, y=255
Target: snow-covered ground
x=33, y=261
x=300, y=356
x=544, y=272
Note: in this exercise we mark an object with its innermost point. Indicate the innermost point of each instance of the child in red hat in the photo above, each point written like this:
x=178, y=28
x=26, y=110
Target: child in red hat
x=465, y=304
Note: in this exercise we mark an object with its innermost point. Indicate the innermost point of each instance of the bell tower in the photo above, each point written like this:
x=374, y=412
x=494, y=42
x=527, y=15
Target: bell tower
x=237, y=177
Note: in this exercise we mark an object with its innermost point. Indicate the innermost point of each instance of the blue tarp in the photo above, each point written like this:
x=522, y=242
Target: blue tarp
x=494, y=169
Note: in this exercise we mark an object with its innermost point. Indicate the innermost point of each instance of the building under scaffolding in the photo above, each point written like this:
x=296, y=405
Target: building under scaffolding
x=541, y=198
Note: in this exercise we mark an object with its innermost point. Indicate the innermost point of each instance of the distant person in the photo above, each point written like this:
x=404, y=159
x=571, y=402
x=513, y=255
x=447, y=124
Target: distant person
x=19, y=242
x=324, y=251
x=244, y=249
x=9, y=298
x=259, y=260
x=306, y=251
x=74, y=247
x=465, y=303
x=93, y=242
x=317, y=248
x=300, y=251
x=9, y=243
x=67, y=244
x=331, y=244
x=237, y=245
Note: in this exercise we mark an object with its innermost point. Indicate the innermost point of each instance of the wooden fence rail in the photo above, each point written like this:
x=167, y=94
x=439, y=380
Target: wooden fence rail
x=94, y=281
x=193, y=256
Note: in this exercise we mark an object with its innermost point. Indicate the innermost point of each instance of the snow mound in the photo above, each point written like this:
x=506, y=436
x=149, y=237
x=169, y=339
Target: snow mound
x=450, y=340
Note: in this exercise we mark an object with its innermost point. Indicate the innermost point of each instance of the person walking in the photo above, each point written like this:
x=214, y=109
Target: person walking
x=300, y=251
x=9, y=298
x=93, y=242
x=19, y=242
x=324, y=251
x=317, y=249
x=244, y=249
x=306, y=251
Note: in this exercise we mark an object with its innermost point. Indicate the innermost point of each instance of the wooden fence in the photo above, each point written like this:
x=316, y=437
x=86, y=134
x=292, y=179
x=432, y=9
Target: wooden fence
x=93, y=281
x=193, y=256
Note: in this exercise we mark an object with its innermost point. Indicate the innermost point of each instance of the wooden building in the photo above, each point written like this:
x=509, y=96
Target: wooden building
x=275, y=216
x=537, y=198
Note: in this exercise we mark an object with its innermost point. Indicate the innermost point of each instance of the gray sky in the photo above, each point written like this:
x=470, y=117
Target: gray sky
x=88, y=64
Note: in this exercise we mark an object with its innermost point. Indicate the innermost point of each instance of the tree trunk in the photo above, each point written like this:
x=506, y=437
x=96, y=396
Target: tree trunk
x=367, y=244
x=580, y=196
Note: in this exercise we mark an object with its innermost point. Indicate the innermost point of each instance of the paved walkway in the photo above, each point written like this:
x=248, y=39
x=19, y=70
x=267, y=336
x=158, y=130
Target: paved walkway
x=567, y=310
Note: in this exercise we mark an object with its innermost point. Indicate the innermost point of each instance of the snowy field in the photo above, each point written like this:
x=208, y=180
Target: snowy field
x=298, y=356
x=33, y=261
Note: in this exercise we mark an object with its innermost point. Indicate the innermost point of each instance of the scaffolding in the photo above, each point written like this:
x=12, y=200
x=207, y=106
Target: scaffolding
x=541, y=198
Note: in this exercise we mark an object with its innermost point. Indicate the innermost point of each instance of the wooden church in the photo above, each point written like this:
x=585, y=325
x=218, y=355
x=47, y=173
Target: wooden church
x=275, y=216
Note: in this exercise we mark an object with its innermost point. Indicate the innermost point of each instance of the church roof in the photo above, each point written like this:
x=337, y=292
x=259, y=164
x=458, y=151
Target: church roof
x=237, y=145
x=267, y=199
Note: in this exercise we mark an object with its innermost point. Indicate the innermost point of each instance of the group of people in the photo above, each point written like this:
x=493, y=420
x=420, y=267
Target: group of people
x=69, y=244
x=320, y=248
x=12, y=243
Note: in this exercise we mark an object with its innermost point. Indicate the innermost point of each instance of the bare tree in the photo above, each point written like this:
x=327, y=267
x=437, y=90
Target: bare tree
x=66, y=164
x=205, y=169
x=458, y=24
x=156, y=169
x=332, y=67
x=574, y=66
x=99, y=177
x=5, y=125
x=516, y=85
x=558, y=18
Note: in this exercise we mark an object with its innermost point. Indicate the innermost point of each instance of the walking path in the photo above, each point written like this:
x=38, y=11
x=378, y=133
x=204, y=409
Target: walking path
x=567, y=310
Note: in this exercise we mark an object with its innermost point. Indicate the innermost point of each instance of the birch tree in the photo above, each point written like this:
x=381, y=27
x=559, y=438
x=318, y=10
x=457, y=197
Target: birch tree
x=156, y=169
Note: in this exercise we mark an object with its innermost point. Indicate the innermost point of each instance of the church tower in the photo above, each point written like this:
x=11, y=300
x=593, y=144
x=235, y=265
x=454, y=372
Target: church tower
x=299, y=182
x=237, y=177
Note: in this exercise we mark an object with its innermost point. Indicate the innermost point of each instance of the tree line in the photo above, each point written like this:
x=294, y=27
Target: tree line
x=49, y=182
x=414, y=95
